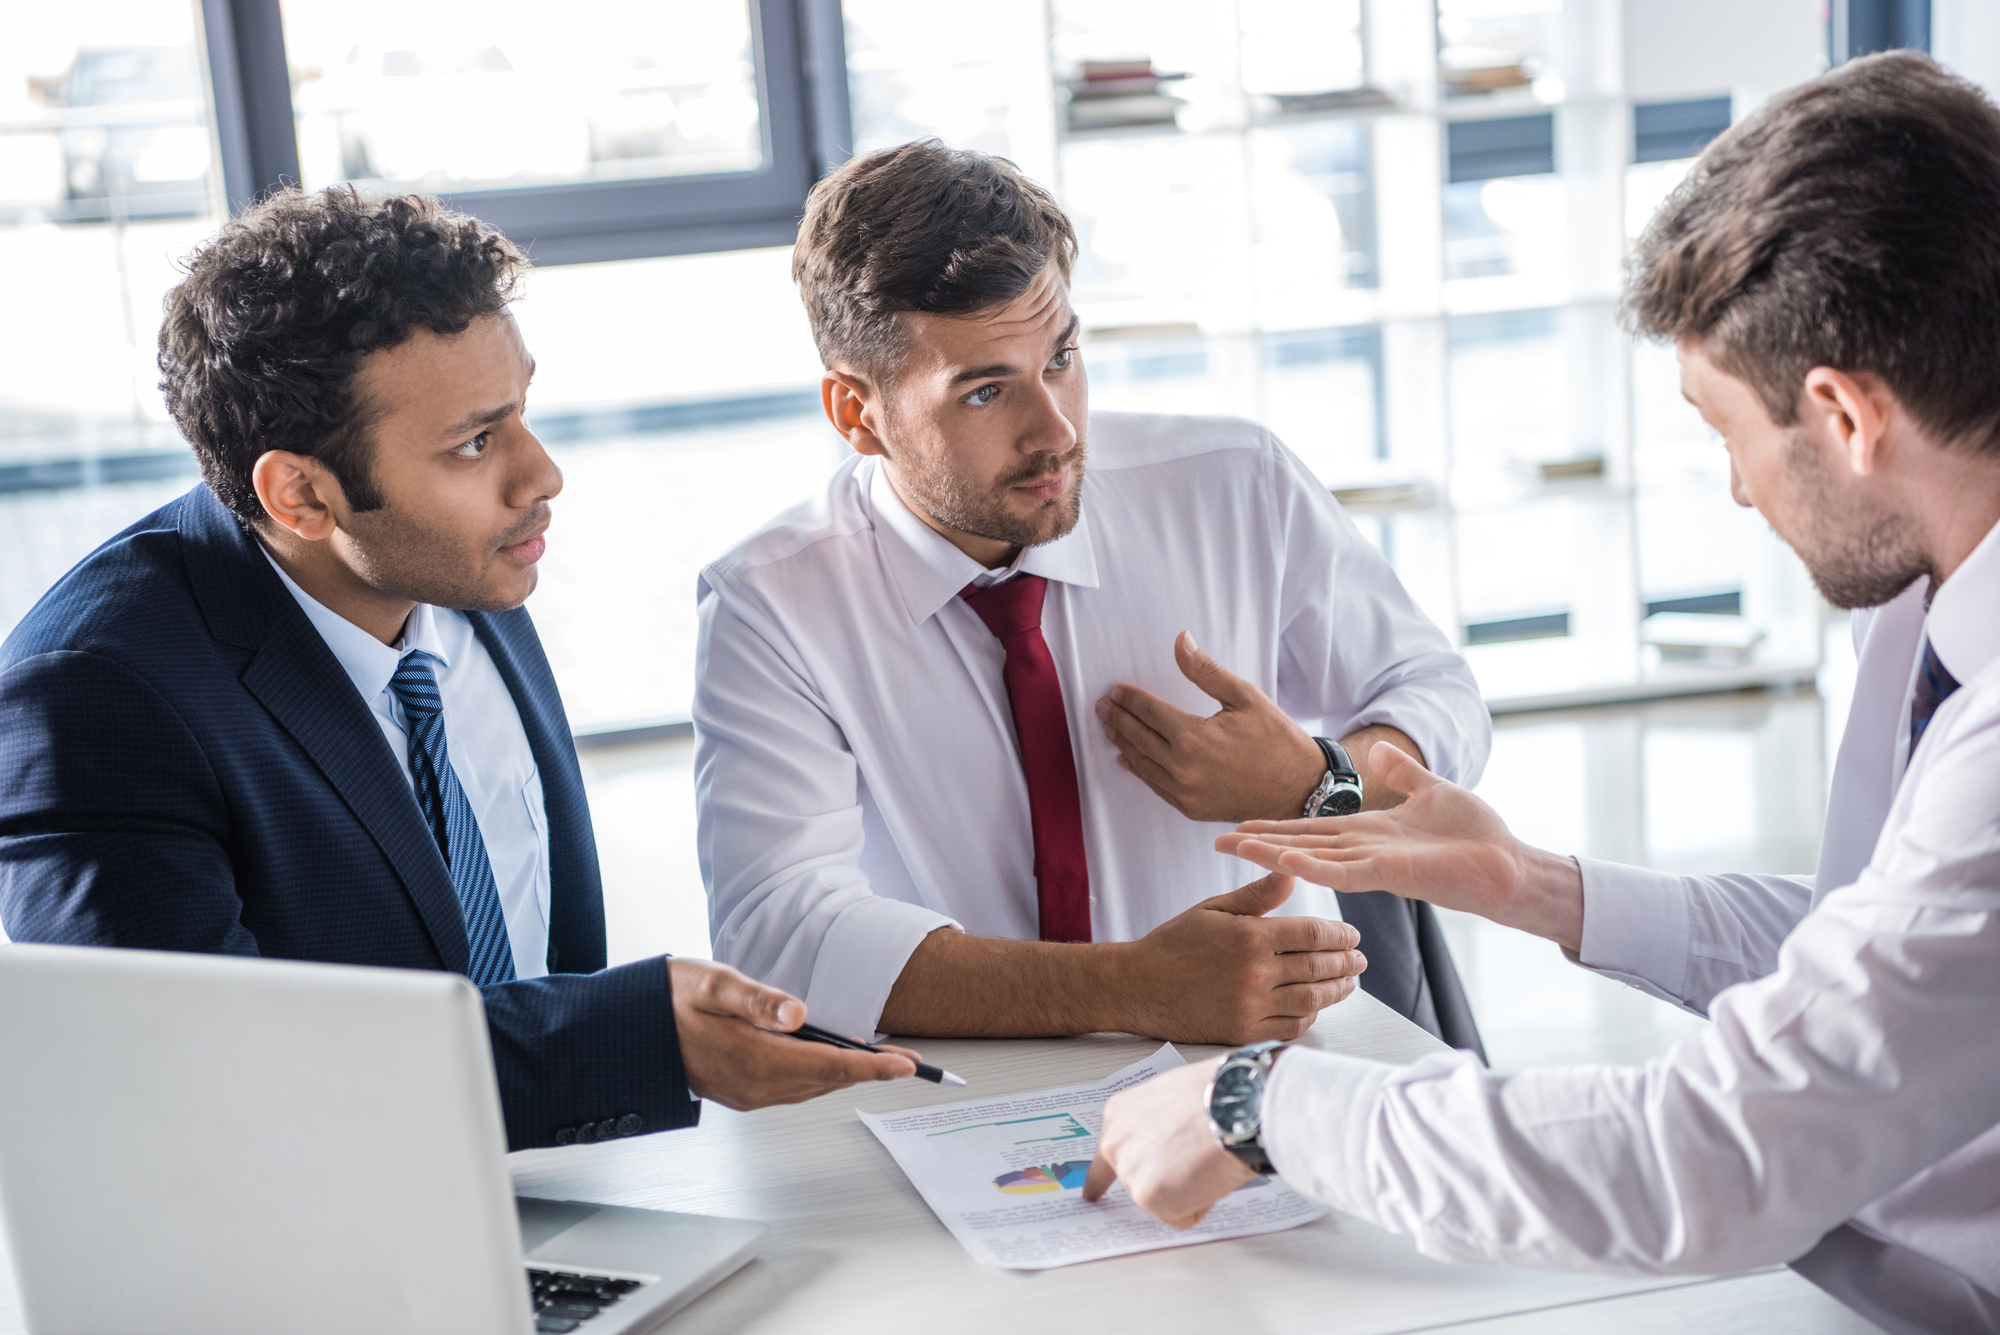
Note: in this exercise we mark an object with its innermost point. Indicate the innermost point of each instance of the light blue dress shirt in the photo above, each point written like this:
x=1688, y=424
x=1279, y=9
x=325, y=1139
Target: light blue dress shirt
x=486, y=743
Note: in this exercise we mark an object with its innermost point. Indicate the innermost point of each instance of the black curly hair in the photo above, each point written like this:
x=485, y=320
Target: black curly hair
x=262, y=340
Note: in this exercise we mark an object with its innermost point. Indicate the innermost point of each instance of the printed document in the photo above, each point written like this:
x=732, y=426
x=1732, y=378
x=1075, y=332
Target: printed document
x=1006, y=1177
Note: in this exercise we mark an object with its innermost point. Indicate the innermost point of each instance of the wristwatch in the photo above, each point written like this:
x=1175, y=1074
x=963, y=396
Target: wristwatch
x=1339, y=792
x=1236, y=1102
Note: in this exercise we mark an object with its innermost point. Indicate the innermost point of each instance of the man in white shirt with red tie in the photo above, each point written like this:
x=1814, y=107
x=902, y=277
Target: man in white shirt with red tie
x=1830, y=273
x=956, y=758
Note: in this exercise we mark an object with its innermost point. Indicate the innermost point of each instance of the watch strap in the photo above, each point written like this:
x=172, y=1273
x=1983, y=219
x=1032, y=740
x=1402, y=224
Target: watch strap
x=1339, y=790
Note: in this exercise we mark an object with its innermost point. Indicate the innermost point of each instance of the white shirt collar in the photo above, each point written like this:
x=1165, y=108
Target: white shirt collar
x=369, y=662
x=1962, y=624
x=928, y=571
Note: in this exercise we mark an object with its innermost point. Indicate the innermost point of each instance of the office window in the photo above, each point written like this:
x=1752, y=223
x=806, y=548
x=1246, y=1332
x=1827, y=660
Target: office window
x=1344, y=229
x=395, y=96
x=107, y=177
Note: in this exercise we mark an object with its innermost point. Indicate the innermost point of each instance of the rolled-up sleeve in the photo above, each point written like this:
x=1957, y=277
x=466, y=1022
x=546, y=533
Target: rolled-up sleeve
x=1357, y=649
x=780, y=828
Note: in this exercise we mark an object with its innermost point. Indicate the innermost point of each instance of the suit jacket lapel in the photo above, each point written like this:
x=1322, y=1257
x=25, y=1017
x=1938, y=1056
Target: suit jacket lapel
x=297, y=678
x=576, y=889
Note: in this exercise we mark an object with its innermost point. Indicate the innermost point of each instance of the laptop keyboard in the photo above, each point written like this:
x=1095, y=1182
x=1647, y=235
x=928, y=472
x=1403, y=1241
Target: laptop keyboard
x=564, y=1301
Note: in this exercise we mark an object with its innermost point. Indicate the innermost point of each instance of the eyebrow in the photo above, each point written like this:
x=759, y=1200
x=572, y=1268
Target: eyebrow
x=1001, y=370
x=472, y=421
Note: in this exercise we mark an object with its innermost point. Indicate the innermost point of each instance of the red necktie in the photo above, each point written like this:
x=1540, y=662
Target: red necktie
x=1013, y=612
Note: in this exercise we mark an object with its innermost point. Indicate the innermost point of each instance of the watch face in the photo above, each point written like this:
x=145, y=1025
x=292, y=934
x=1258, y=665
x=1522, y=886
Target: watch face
x=1341, y=802
x=1235, y=1105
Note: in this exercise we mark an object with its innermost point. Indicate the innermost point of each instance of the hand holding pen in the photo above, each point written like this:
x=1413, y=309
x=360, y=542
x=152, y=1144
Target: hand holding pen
x=814, y=1034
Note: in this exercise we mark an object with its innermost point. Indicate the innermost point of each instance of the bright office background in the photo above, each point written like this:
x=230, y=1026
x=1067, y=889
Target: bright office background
x=1392, y=229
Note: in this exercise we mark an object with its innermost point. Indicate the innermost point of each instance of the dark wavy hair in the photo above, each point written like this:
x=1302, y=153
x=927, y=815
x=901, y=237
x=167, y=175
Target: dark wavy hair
x=920, y=227
x=1854, y=222
x=262, y=340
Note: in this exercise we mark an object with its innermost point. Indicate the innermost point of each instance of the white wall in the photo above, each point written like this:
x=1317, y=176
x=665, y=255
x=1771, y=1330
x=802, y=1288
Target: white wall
x=1748, y=48
x=1965, y=35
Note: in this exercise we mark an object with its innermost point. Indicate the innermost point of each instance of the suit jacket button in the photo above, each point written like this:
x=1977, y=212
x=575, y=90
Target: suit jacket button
x=566, y=1136
x=586, y=1132
x=631, y=1124
x=608, y=1129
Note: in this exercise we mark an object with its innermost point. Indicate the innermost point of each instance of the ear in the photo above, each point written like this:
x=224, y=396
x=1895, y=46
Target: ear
x=298, y=493
x=853, y=405
x=1851, y=410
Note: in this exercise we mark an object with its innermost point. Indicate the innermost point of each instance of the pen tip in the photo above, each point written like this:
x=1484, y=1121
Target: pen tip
x=956, y=1081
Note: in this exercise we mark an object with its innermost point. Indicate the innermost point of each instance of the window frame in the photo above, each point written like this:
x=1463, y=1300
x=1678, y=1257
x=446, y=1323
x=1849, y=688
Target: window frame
x=801, y=68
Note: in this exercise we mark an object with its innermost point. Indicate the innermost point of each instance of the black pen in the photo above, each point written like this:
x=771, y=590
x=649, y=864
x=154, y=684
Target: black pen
x=812, y=1033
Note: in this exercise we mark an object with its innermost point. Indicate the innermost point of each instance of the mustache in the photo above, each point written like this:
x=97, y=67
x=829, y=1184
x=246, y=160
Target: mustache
x=533, y=520
x=1036, y=472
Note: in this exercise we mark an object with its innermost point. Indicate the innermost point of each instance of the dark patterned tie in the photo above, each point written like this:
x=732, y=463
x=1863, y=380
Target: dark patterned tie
x=452, y=822
x=1013, y=612
x=1934, y=687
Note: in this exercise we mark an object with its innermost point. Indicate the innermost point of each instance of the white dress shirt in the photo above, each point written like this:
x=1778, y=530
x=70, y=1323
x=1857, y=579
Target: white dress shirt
x=1852, y=1072
x=484, y=740
x=856, y=773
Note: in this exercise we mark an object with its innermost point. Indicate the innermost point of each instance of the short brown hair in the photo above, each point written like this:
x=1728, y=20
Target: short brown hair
x=1854, y=222
x=264, y=337
x=921, y=227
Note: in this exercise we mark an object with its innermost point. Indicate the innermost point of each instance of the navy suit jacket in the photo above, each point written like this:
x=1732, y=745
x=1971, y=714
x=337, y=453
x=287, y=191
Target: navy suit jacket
x=184, y=765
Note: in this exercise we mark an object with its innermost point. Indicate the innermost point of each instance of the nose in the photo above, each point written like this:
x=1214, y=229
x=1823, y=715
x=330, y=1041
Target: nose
x=539, y=479
x=1048, y=429
x=1737, y=491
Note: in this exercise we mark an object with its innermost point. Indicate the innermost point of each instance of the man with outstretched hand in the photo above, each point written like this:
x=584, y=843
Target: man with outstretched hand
x=1830, y=274
x=958, y=726
x=301, y=713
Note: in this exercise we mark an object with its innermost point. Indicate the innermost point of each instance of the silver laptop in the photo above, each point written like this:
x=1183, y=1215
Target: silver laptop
x=193, y=1143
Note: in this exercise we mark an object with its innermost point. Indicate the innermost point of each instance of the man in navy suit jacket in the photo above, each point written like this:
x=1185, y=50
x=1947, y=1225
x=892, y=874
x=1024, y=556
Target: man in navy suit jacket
x=186, y=762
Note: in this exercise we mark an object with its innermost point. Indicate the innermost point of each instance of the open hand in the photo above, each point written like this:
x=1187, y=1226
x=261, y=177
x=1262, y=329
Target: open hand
x=1224, y=973
x=1158, y=1138
x=1246, y=760
x=731, y=1055
x=1441, y=844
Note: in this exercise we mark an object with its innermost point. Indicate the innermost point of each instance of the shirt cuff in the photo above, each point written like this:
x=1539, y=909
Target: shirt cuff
x=1429, y=718
x=861, y=957
x=1635, y=925
x=1318, y=1110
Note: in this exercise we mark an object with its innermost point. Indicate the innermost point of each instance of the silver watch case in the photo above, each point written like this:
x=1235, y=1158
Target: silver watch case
x=1235, y=1101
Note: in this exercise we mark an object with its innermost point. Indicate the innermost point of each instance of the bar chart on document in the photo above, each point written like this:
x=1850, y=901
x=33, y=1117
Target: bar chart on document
x=1006, y=1177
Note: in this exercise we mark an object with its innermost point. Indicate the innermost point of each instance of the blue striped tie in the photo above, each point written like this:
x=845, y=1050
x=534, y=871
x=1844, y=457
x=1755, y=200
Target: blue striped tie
x=452, y=822
x=1934, y=686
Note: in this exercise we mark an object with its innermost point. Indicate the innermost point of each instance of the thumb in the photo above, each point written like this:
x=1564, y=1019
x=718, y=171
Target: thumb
x=1215, y=681
x=1255, y=899
x=734, y=994
x=1399, y=771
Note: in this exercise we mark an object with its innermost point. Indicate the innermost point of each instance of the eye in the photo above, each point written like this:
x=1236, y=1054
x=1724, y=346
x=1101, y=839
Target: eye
x=474, y=448
x=982, y=396
x=1063, y=359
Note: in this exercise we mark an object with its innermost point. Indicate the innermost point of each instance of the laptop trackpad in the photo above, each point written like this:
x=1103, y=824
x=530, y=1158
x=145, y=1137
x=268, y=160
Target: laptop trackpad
x=542, y=1220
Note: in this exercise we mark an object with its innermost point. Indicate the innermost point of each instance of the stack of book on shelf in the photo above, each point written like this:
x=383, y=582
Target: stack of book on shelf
x=1710, y=641
x=1109, y=93
x=1332, y=99
x=1471, y=70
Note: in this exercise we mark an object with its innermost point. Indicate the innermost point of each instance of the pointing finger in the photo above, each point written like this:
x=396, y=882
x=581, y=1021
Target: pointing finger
x=1100, y=1177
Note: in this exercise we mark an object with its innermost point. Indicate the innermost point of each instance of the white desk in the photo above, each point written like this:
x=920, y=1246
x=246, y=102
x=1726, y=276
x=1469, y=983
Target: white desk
x=853, y=1247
